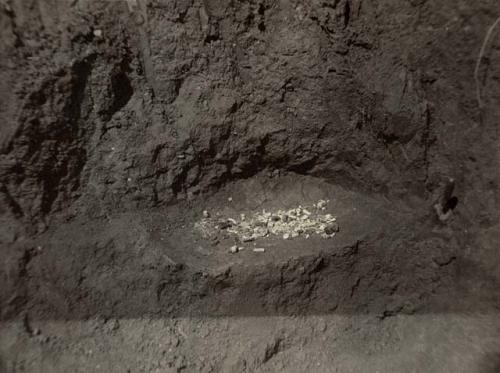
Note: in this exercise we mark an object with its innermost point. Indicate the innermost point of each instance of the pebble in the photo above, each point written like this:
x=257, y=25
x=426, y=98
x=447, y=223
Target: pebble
x=234, y=249
x=259, y=250
x=321, y=204
x=206, y=214
x=224, y=224
x=331, y=228
x=230, y=199
x=112, y=325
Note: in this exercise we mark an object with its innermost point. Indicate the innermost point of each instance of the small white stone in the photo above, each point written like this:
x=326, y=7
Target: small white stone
x=230, y=199
x=259, y=250
x=234, y=249
x=98, y=33
x=286, y=236
x=321, y=204
x=206, y=214
x=326, y=236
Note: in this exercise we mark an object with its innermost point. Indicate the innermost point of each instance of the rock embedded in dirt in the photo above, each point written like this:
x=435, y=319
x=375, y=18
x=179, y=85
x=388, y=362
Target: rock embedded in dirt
x=332, y=228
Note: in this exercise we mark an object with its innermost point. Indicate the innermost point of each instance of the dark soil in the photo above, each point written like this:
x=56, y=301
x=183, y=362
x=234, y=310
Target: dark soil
x=121, y=121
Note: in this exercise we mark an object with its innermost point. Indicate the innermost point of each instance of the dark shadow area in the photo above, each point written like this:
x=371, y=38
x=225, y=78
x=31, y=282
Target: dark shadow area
x=490, y=363
x=451, y=204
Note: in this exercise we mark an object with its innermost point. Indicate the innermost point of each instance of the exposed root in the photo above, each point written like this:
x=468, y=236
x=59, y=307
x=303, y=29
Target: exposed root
x=480, y=58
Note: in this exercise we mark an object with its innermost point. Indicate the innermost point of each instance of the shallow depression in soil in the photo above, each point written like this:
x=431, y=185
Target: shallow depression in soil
x=223, y=221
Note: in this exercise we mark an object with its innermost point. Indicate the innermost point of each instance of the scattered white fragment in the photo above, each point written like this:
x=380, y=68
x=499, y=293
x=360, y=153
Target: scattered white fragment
x=98, y=33
x=181, y=156
x=259, y=250
x=288, y=224
x=321, y=204
x=234, y=249
x=326, y=235
x=230, y=199
x=206, y=214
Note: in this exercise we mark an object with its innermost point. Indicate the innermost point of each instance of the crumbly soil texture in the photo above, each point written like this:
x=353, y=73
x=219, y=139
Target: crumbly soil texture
x=125, y=126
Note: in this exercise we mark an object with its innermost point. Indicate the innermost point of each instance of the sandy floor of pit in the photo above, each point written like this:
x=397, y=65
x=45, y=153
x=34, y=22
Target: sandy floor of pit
x=359, y=216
